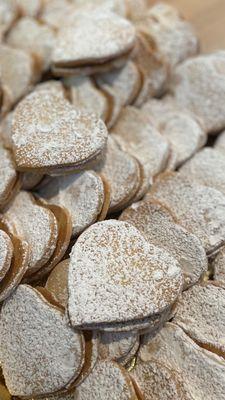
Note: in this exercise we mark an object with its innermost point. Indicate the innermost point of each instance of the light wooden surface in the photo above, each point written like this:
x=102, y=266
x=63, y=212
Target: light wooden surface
x=208, y=18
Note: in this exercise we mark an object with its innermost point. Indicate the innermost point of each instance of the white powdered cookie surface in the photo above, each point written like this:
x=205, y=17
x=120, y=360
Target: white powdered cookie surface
x=116, y=275
x=34, y=224
x=207, y=168
x=33, y=37
x=106, y=380
x=122, y=173
x=41, y=355
x=48, y=132
x=158, y=226
x=198, y=208
x=199, y=86
x=202, y=372
x=82, y=194
x=95, y=36
x=8, y=174
x=200, y=313
x=139, y=137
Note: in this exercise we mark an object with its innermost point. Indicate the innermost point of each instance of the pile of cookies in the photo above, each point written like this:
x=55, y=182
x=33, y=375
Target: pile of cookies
x=112, y=204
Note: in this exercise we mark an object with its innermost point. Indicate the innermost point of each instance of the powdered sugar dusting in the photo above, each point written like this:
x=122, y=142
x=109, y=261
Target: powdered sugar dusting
x=122, y=174
x=16, y=74
x=114, y=345
x=200, y=313
x=60, y=134
x=82, y=194
x=35, y=38
x=111, y=276
x=8, y=174
x=43, y=339
x=36, y=225
x=174, y=37
x=200, y=209
x=6, y=253
x=140, y=138
x=207, y=168
x=181, y=128
x=199, y=86
x=85, y=96
x=156, y=381
x=159, y=227
x=106, y=379
x=92, y=37
x=202, y=372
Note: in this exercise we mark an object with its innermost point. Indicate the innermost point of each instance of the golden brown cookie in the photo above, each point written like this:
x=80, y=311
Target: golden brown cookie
x=198, y=208
x=182, y=129
x=198, y=85
x=35, y=38
x=218, y=266
x=5, y=131
x=4, y=393
x=157, y=224
x=8, y=14
x=138, y=136
x=18, y=267
x=116, y=346
x=152, y=67
x=35, y=225
x=105, y=262
x=61, y=136
x=173, y=37
x=6, y=254
x=64, y=225
x=206, y=168
x=200, y=313
x=29, y=7
x=107, y=375
x=122, y=173
x=93, y=38
x=17, y=75
x=85, y=96
x=8, y=177
x=83, y=195
x=156, y=381
x=50, y=350
x=121, y=86
x=55, y=11
x=202, y=372
x=57, y=282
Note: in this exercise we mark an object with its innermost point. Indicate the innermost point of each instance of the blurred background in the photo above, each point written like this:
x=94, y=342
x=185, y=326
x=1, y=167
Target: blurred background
x=208, y=17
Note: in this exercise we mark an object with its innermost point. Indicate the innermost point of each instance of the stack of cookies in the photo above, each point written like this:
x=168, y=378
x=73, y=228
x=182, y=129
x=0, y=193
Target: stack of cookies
x=112, y=204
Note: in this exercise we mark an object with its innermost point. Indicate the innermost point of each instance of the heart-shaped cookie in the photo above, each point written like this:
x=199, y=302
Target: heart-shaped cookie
x=116, y=275
x=82, y=194
x=17, y=75
x=48, y=133
x=200, y=313
x=93, y=38
x=198, y=208
x=206, y=168
x=182, y=129
x=122, y=173
x=157, y=224
x=202, y=372
x=138, y=136
x=34, y=224
x=106, y=374
x=43, y=354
